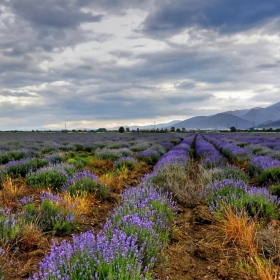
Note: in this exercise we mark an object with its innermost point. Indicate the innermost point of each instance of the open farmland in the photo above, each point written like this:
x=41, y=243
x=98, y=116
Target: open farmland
x=139, y=206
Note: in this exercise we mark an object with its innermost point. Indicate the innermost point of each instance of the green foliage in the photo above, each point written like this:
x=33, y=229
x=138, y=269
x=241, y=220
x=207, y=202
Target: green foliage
x=82, y=185
x=229, y=173
x=121, y=129
x=52, y=178
x=79, y=147
x=275, y=190
x=151, y=159
x=269, y=176
x=233, y=129
x=103, y=192
x=257, y=206
x=125, y=164
x=10, y=228
x=112, y=154
x=51, y=216
x=48, y=150
x=236, y=195
x=23, y=168
x=10, y=156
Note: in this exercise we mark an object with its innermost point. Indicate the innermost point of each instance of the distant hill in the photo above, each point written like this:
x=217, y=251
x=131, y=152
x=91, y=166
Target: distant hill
x=241, y=119
x=261, y=115
x=218, y=121
x=270, y=124
x=151, y=126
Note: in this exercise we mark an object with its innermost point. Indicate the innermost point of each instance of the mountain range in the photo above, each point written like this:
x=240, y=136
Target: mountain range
x=257, y=117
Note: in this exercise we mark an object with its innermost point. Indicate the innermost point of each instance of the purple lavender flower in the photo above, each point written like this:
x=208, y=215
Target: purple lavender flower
x=210, y=155
x=50, y=196
x=82, y=174
x=260, y=163
x=25, y=200
x=125, y=159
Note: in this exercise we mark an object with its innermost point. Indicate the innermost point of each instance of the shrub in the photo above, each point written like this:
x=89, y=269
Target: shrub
x=138, y=147
x=257, y=202
x=112, y=154
x=275, y=190
x=49, y=177
x=229, y=173
x=269, y=176
x=99, y=257
x=51, y=214
x=128, y=162
x=53, y=158
x=148, y=156
x=85, y=182
x=23, y=166
x=10, y=227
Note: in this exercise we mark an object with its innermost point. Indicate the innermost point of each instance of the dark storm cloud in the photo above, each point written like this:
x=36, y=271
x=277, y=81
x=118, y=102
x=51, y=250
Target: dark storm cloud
x=225, y=16
x=270, y=65
x=45, y=26
x=116, y=6
x=46, y=49
x=58, y=14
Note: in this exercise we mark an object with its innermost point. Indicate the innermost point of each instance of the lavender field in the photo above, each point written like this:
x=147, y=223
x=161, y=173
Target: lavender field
x=139, y=206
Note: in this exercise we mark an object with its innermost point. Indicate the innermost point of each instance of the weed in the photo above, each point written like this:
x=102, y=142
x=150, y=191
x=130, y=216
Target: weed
x=12, y=188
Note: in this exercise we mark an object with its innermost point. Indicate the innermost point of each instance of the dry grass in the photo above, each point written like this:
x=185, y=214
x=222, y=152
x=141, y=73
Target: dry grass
x=12, y=187
x=31, y=236
x=241, y=231
x=100, y=166
x=187, y=183
x=112, y=181
x=116, y=180
x=79, y=204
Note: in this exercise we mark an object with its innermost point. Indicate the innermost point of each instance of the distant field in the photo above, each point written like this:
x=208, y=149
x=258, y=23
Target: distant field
x=139, y=206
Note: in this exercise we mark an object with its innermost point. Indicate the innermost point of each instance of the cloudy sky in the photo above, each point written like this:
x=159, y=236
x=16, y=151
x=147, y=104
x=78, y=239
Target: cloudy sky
x=106, y=63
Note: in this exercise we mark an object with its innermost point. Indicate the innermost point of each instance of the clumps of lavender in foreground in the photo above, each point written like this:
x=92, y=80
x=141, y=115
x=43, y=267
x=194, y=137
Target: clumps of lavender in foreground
x=126, y=248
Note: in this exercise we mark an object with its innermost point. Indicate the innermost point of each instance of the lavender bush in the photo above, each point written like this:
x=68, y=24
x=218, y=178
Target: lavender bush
x=54, y=177
x=257, y=202
x=85, y=182
x=128, y=162
x=10, y=227
x=53, y=158
x=260, y=163
x=112, y=154
x=23, y=166
x=122, y=249
x=149, y=156
x=52, y=214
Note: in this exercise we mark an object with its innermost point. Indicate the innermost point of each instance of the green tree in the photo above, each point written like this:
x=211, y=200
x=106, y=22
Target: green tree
x=121, y=129
x=232, y=129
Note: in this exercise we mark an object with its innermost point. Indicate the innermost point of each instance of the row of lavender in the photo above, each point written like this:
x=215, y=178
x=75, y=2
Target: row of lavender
x=230, y=188
x=128, y=245
x=264, y=170
x=229, y=185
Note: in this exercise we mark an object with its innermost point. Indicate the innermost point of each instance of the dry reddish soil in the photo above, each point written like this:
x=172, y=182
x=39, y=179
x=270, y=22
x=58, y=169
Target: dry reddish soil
x=195, y=250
